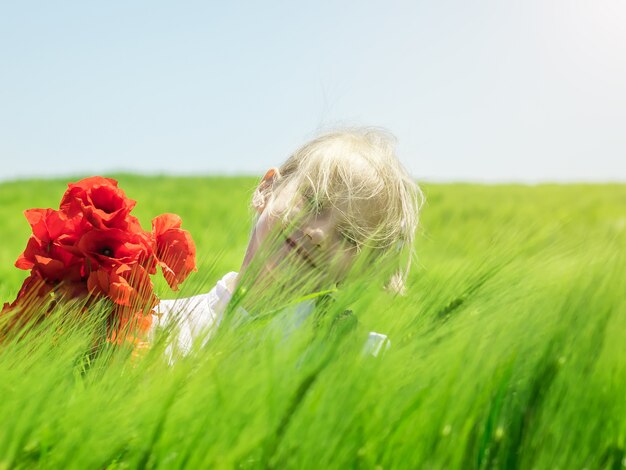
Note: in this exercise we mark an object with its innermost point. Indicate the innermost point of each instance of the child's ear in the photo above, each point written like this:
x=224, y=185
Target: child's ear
x=262, y=190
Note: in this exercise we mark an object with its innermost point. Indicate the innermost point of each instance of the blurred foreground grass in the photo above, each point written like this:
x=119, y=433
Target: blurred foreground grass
x=509, y=350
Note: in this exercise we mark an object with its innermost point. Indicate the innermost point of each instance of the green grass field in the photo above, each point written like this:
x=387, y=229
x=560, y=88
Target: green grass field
x=509, y=350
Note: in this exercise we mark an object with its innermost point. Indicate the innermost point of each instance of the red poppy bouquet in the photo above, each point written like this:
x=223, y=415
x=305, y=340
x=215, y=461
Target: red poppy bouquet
x=93, y=248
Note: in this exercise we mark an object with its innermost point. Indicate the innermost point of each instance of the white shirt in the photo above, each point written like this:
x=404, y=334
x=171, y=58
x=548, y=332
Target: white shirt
x=193, y=316
x=200, y=315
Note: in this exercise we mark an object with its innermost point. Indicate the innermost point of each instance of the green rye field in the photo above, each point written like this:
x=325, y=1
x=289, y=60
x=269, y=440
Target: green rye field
x=508, y=351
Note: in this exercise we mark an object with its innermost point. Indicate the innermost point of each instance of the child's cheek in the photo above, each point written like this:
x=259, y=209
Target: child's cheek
x=340, y=265
x=263, y=227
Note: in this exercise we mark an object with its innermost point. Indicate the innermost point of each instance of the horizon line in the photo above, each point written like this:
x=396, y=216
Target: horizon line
x=242, y=174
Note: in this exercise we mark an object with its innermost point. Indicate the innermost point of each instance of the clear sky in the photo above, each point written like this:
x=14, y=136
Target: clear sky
x=488, y=90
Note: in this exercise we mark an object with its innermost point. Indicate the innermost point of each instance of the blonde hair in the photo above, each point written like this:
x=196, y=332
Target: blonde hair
x=355, y=164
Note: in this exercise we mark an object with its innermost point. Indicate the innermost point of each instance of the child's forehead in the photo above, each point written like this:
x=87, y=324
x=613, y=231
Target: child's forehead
x=344, y=192
x=335, y=176
x=362, y=211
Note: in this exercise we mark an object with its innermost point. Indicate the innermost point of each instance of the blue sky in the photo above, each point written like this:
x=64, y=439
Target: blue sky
x=489, y=90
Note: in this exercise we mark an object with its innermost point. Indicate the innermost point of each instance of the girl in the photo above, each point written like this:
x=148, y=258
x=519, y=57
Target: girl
x=340, y=198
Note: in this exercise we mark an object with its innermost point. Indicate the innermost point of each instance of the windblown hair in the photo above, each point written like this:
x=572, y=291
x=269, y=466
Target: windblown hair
x=342, y=167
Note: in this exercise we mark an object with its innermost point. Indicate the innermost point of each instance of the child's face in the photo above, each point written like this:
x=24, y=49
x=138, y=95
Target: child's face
x=313, y=243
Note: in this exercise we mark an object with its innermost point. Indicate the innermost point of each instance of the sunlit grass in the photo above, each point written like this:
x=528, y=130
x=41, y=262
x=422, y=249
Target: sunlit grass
x=509, y=350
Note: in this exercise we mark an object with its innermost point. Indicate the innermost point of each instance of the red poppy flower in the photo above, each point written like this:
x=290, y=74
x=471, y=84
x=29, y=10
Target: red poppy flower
x=174, y=248
x=48, y=224
x=49, y=249
x=53, y=262
x=100, y=200
x=113, y=247
x=129, y=286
